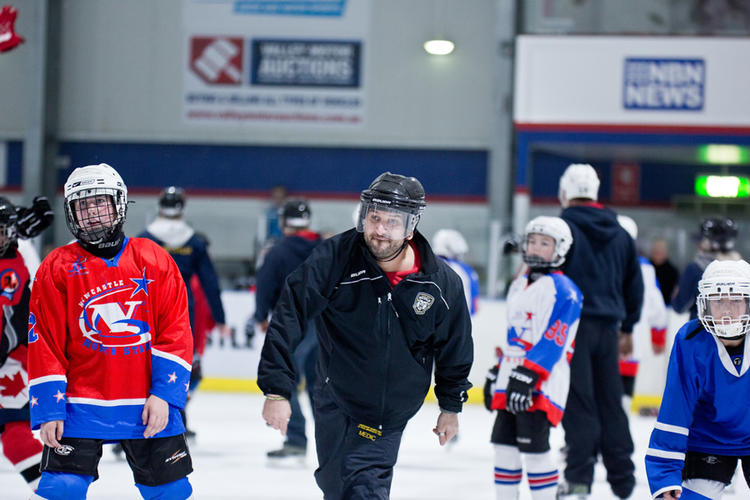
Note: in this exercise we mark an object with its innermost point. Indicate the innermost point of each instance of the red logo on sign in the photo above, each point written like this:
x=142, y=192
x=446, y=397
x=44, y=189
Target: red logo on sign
x=217, y=60
x=8, y=37
x=626, y=183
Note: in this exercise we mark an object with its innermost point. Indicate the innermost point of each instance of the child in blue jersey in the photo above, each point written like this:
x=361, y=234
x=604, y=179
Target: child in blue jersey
x=533, y=375
x=703, y=426
x=451, y=246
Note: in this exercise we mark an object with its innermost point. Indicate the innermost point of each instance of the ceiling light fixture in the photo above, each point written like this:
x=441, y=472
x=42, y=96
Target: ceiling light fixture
x=439, y=47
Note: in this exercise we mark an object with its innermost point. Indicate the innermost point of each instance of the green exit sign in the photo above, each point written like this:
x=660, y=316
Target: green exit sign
x=722, y=186
x=723, y=154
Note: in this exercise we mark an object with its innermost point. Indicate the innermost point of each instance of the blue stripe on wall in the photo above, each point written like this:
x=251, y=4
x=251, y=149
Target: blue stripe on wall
x=459, y=174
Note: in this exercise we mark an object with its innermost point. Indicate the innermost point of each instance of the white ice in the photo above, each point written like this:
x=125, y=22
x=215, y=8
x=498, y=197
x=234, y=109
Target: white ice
x=230, y=462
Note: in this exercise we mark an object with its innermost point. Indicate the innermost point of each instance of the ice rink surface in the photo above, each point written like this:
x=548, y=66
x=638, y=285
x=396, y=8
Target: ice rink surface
x=229, y=457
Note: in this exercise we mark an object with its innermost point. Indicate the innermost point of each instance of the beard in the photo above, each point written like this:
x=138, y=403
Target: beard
x=383, y=249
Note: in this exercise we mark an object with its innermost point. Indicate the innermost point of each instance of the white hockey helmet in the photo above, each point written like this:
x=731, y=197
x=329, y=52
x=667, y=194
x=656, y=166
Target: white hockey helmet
x=727, y=281
x=95, y=180
x=628, y=225
x=555, y=228
x=578, y=181
x=449, y=243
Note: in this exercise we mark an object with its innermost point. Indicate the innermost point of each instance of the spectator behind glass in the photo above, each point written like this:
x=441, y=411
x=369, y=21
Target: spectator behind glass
x=666, y=273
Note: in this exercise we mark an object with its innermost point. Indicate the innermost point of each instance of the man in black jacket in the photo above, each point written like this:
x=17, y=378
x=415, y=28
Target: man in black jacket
x=603, y=262
x=386, y=310
x=284, y=257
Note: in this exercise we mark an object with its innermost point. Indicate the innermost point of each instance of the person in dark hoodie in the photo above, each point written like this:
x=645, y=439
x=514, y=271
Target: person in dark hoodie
x=283, y=258
x=386, y=311
x=190, y=252
x=603, y=262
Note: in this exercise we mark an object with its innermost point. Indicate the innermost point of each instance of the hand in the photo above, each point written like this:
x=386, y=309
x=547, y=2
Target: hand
x=225, y=331
x=34, y=220
x=625, y=344
x=489, y=381
x=518, y=394
x=263, y=326
x=51, y=432
x=276, y=413
x=155, y=416
x=672, y=494
x=447, y=427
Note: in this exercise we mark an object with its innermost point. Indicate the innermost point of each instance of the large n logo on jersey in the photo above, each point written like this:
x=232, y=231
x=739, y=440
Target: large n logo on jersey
x=114, y=323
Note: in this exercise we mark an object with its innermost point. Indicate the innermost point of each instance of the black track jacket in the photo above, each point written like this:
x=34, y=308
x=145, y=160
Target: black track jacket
x=377, y=343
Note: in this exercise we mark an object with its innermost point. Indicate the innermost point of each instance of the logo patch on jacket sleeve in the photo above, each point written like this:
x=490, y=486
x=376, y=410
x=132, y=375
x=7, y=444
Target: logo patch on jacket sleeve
x=423, y=302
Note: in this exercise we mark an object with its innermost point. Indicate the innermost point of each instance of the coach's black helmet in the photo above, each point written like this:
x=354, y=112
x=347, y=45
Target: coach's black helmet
x=396, y=194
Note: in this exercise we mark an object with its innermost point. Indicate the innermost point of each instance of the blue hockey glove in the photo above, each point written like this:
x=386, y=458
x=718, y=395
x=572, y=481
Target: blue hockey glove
x=518, y=393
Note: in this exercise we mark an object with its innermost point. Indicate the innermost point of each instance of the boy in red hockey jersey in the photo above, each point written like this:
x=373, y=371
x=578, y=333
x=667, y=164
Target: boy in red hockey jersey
x=110, y=349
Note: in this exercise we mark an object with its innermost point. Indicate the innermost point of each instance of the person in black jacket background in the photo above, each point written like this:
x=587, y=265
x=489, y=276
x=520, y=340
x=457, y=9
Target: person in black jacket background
x=386, y=311
x=603, y=262
x=190, y=252
x=283, y=258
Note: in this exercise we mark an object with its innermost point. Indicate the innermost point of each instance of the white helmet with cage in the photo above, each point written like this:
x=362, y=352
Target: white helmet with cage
x=555, y=228
x=578, y=181
x=88, y=182
x=724, y=299
x=449, y=243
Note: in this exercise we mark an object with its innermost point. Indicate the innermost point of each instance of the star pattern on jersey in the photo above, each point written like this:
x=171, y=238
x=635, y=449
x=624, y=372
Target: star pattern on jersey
x=172, y=377
x=529, y=315
x=573, y=296
x=33, y=401
x=59, y=396
x=187, y=386
x=142, y=284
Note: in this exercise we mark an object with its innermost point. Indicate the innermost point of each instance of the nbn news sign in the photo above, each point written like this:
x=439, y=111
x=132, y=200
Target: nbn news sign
x=664, y=84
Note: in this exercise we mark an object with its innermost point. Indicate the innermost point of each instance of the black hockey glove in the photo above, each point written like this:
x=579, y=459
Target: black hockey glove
x=511, y=245
x=518, y=393
x=35, y=219
x=488, y=383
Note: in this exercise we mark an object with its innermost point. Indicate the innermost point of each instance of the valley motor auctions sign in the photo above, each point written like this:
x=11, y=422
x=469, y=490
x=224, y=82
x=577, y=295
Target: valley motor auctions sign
x=678, y=81
x=275, y=61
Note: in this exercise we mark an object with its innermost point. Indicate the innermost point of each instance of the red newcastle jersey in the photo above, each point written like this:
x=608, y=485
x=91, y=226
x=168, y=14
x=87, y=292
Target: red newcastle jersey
x=103, y=335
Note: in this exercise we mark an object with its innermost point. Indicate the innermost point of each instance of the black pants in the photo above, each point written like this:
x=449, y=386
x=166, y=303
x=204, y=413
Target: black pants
x=594, y=420
x=352, y=466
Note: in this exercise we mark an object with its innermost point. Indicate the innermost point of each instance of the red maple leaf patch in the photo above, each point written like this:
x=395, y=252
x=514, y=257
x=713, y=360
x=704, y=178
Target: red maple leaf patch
x=8, y=37
x=11, y=386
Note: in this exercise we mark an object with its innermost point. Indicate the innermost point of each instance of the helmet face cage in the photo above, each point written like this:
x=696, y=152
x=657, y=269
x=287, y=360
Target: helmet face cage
x=95, y=226
x=555, y=228
x=398, y=223
x=724, y=307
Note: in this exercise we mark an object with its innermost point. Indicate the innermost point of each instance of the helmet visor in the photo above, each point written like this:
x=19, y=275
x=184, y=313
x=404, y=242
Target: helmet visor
x=387, y=221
